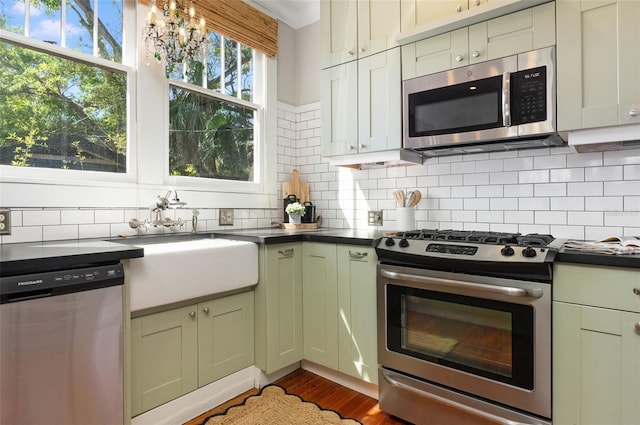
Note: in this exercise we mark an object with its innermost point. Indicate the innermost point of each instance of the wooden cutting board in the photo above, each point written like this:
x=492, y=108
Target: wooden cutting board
x=296, y=187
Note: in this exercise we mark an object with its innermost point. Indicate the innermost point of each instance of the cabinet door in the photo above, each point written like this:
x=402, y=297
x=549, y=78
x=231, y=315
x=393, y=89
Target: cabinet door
x=338, y=31
x=164, y=357
x=598, y=63
x=435, y=54
x=320, y=303
x=378, y=26
x=340, y=109
x=278, y=300
x=419, y=12
x=518, y=32
x=596, y=365
x=225, y=336
x=357, y=312
x=379, y=102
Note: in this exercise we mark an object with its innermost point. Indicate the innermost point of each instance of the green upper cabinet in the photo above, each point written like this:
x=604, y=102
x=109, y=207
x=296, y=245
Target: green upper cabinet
x=361, y=105
x=596, y=345
x=415, y=13
x=320, y=303
x=357, y=325
x=278, y=301
x=518, y=32
x=351, y=29
x=598, y=63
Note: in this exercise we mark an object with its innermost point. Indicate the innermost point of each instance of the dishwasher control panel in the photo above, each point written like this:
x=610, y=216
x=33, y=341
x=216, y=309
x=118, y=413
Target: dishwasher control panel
x=23, y=287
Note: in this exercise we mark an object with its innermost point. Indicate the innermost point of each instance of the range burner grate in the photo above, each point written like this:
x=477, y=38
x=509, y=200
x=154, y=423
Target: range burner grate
x=489, y=238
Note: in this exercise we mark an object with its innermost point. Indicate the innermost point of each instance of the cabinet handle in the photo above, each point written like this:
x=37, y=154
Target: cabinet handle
x=350, y=52
x=287, y=252
x=459, y=9
x=476, y=2
x=192, y=314
x=351, y=147
x=357, y=254
x=475, y=54
x=362, y=146
x=637, y=326
x=206, y=310
x=636, y=291
x=459, y=58
x=634, y=112
x=361, y=50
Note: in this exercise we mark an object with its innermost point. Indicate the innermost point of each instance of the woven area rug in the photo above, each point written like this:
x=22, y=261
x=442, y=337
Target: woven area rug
x=273, y=406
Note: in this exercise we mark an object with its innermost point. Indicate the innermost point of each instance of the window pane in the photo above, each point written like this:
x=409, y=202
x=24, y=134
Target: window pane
x=247, y=73
x=209, y=138
x=110, y=23
x=213, y=62
x=230, y=67
x=44, y=22
x=12, y=15
x=58, y=113
x=78, y=33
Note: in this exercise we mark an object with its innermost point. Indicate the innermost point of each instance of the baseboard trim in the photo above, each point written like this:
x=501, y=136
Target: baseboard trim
x=348, y=381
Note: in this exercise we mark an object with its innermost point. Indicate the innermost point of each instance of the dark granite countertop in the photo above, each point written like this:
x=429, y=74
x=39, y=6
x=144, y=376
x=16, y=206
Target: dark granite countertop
x=35, y=257
x=624, y=260
x=269, y=236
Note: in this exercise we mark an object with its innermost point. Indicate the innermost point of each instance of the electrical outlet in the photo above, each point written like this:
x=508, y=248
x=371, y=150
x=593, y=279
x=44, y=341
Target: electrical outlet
x=5, y=222
x=226, y=217
x=375, y=218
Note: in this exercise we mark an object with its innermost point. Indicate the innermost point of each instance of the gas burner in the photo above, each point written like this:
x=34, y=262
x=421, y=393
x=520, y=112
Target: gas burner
x=478, y=237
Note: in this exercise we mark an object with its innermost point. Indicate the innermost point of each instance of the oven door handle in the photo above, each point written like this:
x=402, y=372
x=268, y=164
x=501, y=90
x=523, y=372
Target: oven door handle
x=434, y=281
x=445, y=401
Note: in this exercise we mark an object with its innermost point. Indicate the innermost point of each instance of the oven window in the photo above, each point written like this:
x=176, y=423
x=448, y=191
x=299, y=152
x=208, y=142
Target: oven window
x=471, y=106
x=488, y=338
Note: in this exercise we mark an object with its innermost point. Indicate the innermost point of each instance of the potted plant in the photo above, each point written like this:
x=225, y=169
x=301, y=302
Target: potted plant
x=296, y=211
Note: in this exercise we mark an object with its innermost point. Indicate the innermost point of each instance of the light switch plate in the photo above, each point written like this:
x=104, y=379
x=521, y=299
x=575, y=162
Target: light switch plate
x=5, y=222
x=375, y=218
x=226, y=217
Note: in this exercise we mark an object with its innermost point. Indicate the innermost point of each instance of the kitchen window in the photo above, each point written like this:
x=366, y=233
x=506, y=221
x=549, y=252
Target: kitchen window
x=214, y=113
x=63, y=88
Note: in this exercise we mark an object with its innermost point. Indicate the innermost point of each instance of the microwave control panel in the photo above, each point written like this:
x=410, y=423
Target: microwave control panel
x=529, y=95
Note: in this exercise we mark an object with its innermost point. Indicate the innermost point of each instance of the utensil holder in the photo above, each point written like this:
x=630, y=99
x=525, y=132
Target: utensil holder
x=405, y=219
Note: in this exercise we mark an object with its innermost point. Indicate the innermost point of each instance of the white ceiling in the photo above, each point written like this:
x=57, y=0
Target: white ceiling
x=295, y=13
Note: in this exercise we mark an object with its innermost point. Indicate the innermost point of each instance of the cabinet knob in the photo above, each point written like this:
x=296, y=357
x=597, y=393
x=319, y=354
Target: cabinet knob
x=350, y=52
x=351, y=147
x=192, y=314
x=362, y=146
x=205, y=310
x=361, y=50
x=476, y=2
x=636, y=291
x=459, y=9
x=459, y=58
x=475, y=54
x=637, y=326
x=634, y=112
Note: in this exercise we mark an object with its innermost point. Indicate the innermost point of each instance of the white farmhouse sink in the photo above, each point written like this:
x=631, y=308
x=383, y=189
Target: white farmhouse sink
x=178, y=271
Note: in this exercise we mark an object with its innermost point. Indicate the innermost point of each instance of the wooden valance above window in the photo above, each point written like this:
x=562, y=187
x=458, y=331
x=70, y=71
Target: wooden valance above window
x=239, y=21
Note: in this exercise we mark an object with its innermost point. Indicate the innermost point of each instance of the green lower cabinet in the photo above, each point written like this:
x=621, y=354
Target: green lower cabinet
x=596, y=345
x=357, y=312
x=278, y=319
x=320, y=303
x=177, y=351
x=339, y=304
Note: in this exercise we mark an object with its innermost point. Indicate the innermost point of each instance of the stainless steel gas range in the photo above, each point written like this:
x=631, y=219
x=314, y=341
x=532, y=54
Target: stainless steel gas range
x=464, y=327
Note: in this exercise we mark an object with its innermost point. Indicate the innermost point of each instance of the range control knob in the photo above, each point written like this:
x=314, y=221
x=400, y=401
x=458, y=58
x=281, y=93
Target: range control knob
x=507, y=251
x=403, y=243
x=389, y=242
x=528, y=252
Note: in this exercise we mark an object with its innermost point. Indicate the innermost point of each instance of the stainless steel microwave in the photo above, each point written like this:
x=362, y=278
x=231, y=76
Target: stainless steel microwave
x=502, y=104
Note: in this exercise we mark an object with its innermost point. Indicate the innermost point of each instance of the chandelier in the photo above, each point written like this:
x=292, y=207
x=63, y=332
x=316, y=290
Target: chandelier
x=175, y=35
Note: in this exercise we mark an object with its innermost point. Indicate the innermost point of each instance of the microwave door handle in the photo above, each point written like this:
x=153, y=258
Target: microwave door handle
x=506, y=99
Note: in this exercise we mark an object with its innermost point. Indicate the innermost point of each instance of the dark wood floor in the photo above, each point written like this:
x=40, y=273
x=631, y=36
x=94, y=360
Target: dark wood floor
x=326, y=394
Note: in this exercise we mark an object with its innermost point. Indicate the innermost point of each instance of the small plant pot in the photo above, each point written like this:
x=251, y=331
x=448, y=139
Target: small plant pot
x=295, y=218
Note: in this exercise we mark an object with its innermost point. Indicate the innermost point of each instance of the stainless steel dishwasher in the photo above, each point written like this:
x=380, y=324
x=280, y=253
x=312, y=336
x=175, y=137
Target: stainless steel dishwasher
x=61, y=347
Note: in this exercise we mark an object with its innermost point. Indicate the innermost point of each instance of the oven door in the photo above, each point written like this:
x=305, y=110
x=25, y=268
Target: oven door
x=485, y=336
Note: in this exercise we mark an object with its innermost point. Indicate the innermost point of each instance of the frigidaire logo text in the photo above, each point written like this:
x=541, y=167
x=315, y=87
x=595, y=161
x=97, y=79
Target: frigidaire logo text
x=30, y=282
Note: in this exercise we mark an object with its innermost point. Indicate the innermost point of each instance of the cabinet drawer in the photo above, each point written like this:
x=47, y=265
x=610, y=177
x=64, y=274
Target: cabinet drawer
x=607, y=287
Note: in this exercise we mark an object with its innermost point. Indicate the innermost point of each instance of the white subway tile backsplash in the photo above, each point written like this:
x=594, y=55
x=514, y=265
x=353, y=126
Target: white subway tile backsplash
x=557, y=191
